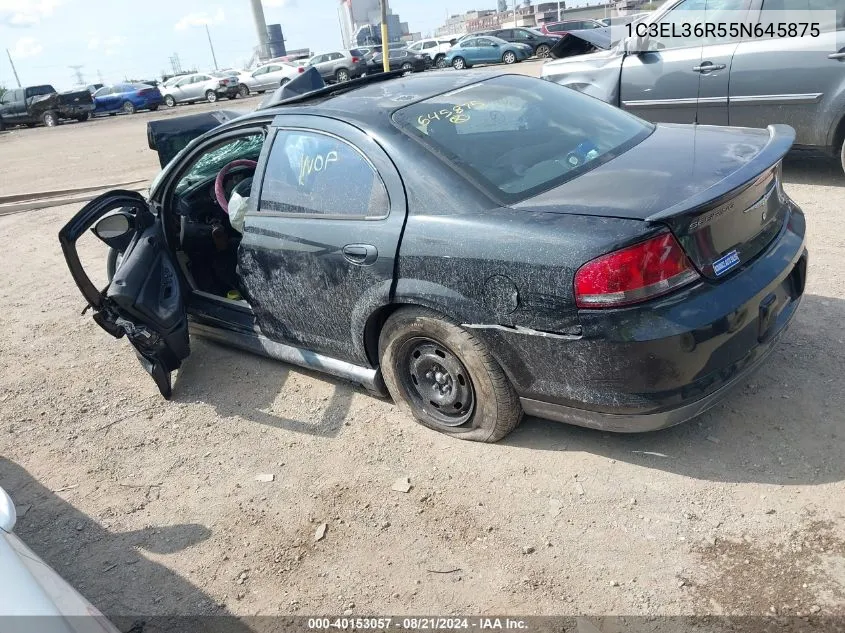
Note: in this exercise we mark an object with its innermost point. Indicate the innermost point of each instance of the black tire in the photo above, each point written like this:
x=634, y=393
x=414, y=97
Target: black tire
x=841, y=152
x=408, y=67
x=128, y=108
x=459, y=63
x=169, y=101
x=543, y=51
x=82, y=117
x=476, y=399
x=284, y=82
x=2, y=125
x=341, y=75
x=440, y=61
x=509, y=57
x=50, y=118
x=153, y=108
x=243, y=90
x=210, y=96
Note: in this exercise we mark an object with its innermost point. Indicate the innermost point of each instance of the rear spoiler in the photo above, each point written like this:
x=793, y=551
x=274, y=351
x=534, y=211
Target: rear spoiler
x=781, y=138
x=170, y=136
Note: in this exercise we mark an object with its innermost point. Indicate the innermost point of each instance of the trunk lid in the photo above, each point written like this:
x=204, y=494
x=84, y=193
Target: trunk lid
x=717, y=189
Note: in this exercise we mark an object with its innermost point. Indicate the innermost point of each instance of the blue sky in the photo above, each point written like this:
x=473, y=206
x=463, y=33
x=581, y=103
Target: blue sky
x=135, y=38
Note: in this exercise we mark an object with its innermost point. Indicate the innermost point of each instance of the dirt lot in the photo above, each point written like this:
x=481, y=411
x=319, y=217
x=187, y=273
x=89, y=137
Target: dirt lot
x=152, y=507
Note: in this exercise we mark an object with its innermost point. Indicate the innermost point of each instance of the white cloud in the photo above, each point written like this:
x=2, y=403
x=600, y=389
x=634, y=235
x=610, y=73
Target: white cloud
x=26, y=12
x=108, y=46
x=284, y=4
x=199, y=19
x=26, y=47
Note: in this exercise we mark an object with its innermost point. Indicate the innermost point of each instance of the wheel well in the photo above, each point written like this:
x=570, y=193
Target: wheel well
x=374, y=325
x=839, y=136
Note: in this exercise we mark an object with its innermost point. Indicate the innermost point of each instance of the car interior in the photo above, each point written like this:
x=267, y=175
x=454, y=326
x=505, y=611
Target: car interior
x=216, y=184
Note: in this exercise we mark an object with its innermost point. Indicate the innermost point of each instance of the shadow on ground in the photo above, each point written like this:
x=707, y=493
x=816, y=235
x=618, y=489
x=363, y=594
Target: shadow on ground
x=110, y=568
x=808, y=168
x=783, y=425
x=237, y=383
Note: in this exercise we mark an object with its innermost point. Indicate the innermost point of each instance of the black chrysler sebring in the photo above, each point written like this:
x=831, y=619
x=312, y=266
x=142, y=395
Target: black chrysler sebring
x=477, y=246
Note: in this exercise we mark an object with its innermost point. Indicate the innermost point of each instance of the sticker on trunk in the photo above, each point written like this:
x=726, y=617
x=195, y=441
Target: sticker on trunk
x=725, y=263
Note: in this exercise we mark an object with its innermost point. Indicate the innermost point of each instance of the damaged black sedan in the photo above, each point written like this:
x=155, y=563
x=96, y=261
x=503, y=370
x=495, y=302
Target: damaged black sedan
x=479, y=246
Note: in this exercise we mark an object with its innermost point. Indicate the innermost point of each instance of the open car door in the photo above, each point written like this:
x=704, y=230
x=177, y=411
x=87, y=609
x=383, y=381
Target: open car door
x=144, y=299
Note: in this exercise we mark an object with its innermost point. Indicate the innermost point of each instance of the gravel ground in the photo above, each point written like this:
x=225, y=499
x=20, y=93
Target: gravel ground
x=153, y=507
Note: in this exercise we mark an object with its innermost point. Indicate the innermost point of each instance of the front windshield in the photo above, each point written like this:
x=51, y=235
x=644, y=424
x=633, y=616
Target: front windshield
x=516, y=136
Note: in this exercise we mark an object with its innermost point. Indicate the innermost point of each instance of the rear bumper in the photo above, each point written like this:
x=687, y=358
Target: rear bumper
x=649, y=367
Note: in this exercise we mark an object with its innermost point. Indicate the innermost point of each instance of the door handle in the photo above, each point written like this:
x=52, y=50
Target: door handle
x=360, y=254
x=706, y=67
x=840, y=56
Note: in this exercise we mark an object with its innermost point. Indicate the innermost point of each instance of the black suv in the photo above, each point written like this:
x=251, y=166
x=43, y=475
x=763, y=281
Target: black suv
x=42, y=104
x=540, y=42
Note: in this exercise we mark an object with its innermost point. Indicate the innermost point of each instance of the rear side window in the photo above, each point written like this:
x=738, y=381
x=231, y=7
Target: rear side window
x=516, y=137
x=317, y=174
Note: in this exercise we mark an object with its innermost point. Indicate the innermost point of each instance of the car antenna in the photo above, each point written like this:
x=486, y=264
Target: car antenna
x=310, y=85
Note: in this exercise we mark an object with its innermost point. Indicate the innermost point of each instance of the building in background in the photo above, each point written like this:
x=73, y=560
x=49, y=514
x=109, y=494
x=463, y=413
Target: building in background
x=534, y=15
x=360, y=24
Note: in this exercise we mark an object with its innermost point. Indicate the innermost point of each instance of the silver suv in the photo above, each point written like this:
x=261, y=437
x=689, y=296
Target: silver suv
x=340, y=65
x=750, y=83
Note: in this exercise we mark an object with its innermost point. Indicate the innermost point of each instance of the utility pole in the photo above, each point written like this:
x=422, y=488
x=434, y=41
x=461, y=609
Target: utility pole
x=77, y=71
x=14, y=70
x=213, y=56
x=260, y=29
x=514, y=13
x=385, y=44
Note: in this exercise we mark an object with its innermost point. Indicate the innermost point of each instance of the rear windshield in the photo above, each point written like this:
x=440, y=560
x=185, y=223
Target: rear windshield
x=37, y=91
x=517, y=136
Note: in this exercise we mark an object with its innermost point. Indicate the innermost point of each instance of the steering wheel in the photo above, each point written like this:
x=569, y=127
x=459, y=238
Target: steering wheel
x=219, y=191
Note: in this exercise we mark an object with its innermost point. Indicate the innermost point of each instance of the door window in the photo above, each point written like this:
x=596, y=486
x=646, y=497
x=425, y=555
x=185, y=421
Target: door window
x=313, y=173
x=809, y=5
x=428, y=45
x=209, y=163
x=102, y=92
x=505, y=35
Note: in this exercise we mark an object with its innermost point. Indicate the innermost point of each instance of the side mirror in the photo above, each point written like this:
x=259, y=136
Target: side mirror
x=115, y=229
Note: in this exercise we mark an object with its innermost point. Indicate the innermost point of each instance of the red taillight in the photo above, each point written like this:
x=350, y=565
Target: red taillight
x=355, y=60
x=633, y=274
x=300, y=70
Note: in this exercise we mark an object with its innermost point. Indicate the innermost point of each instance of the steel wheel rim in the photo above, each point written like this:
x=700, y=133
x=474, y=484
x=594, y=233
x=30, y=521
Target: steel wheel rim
x=436, y=381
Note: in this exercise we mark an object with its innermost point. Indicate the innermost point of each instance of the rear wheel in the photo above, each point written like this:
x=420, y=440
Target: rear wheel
x=128, y=108
x=243, y=90
x=841, y=155
x=440, y=61
x=342, y=75
x=459, y=63
x=509, y=57
x=50, y=119
x=543, y=51
x=408, y=67
x=446, y=377
x=210, y=96
x=82, y=117
x=169, y=101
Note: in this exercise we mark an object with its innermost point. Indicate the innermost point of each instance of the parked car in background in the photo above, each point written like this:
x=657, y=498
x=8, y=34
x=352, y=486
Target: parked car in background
x=540, y=43
x=126, y=98
x=198, y=87
x=42, y=104
x=486, y=50
x=340, y=65
x=267, y=77
x=436, y=49
x=399, y=59
x=623, y=19
x=748, y=83
x=558, y=28
x=33, y=595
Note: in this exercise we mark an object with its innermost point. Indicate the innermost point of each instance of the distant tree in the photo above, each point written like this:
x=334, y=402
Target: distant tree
x=503, y=6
